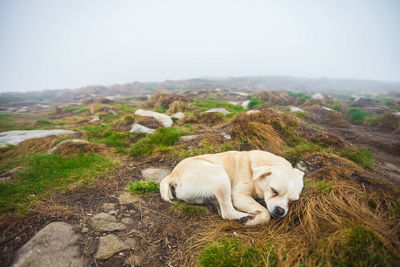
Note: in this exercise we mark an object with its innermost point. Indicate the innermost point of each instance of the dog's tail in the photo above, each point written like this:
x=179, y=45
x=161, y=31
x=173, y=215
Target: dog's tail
x=165, y=190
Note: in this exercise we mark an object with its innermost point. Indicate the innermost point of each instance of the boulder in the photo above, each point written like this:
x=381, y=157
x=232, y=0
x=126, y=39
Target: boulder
x=165, y=120
x=220, y=110
x=97, y=118
x=54, y=245
x=137, y=128
x=17, y=137
x=295, y=109
x=178, y=115
x=245, y=104
x=155, y=174
x=326, y=108
x=110, y=245
x=104, y=222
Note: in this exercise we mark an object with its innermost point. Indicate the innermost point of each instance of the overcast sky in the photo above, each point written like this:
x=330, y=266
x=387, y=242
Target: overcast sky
x=51, y=44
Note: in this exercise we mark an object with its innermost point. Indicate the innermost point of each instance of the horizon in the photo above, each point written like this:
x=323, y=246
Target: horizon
x=70, y=44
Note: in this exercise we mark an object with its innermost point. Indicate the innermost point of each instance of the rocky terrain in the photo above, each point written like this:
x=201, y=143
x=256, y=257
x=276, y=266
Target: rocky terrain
x=78, y=180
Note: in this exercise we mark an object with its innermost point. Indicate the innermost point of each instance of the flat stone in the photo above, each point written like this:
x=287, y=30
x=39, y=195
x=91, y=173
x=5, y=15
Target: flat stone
x=17, y=137
x=165, y=120
x=127, y=220
x=54, y=245
x=137, y=128
x=97, y=118
x=245, y=104
x=326, y=108
x=227, y=136
x=189, y=137
x=127, y=198
x=108, y=206
x=178, y=115
x=155, y=174
x=219, y=110
x=295, y=109
x=110, y=245
x=104, y=222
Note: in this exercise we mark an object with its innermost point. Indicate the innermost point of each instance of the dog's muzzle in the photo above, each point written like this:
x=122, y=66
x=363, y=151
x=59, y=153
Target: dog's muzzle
x=278, y=212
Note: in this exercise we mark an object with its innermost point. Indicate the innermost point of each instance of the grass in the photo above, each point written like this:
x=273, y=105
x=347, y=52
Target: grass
x=205, y=148
x=301, y=114
x=361, y=156
x=316, y=127
x=324, y=186
x=219, y=104
x=356, y=115
x=188, y=210
x=301, y=97
x=295, y=153
x=44, y=173
x=255, y=102
x=337, y=107
x=143, y=187
x=162, y=140
x=233, y=252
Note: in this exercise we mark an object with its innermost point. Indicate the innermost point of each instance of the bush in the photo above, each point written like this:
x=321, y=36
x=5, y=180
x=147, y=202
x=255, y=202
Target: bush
x=255, y=102
x=356, y=115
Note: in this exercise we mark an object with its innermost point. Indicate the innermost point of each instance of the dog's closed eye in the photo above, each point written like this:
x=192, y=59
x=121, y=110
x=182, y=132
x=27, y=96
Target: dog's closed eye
x=274, y=192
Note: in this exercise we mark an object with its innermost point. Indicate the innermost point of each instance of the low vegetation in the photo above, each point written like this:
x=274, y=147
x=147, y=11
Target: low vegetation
x=143, y=187
x=356, y=115
x=361, y=155
x=207, y=104
x=188, y=210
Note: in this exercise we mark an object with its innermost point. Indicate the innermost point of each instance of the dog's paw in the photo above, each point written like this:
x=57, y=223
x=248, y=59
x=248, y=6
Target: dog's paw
x=245, y=219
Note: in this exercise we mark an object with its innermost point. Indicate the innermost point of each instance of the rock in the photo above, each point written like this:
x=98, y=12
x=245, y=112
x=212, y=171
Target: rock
x=69, y=141
x=165, y=120
x=178, y=115
x=108, y=206
x=127, y=220
x=112, y=212
x=189, y=137
x=84, y=230
x=5, y=179
x=220, y=110
x=396, y=113
x=134, y=260
x=97, y=118
x=54, y=245
x=245, y=104
x=155, y=174
x=104, y=222
x=240, y=93
x=10, y=173
x=234, y=102
x=137, y=128
x=127, y=198
x=326, y=108
x=17, y=137
x=295, y=109
x=110, y=245
x=227, y=136
x=252, y=111
x=317, y=96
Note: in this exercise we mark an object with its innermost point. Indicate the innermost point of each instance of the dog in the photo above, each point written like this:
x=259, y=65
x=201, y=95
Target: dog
x=234, y=179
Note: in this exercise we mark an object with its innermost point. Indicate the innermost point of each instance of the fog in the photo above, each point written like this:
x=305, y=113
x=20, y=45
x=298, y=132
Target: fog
x=68, y=44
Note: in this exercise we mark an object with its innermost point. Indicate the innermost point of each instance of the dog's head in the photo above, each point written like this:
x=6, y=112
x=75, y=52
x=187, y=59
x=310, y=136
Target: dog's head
x=279, y=185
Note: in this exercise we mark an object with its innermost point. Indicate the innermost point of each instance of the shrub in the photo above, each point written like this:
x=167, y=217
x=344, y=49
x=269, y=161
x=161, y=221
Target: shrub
x=255, y=102
x=142, y=187
x=356, y=115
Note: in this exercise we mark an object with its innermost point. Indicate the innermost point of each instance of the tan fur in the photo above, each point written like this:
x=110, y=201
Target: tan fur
x=234, y=178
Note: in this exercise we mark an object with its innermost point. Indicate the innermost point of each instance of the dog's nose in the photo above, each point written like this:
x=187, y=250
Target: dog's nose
x=279, y=211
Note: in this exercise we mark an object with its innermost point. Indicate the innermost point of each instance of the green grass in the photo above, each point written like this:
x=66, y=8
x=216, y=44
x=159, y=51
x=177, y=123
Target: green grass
x=188, y=210
x=301, y=97
x=362, y=156
x=77, y=109
x=360, y=247
x=161, y=110
x=295, y=153
x=43, y=123
x=206, y=148
x=5, y=117
x=356, y=115
x=337, y=107
x=219, y=104
x=301, y=114
x=124, y=107
x=324, y=186
x=255, y=102
x=233, y=253
x=143, y=187
x=44, y=173
x=316, y=127
x=162, y=140
x=102, y=134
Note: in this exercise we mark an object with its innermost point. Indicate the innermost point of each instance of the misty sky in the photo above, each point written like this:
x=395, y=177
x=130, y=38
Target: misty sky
x=50, y=44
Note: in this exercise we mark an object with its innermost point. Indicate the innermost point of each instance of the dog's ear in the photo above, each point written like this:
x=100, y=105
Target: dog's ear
x=261, y=172
x=299, y=172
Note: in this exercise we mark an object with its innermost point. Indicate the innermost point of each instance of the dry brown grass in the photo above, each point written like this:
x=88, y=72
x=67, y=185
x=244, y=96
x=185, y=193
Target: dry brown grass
x=389, y=121
x=318, y=231
x=276, y=97
x=164, y=100
x=331, y=117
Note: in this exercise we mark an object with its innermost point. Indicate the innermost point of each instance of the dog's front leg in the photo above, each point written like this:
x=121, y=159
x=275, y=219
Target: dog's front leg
x=260, y=215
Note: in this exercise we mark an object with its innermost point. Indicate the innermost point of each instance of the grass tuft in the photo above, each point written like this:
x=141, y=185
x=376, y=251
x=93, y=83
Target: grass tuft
x=143, y=187
x=362, y=156
x=188, y=210
x=356, y=115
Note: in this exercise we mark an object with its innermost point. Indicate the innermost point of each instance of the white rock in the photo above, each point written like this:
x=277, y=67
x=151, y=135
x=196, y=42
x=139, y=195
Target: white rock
x=295, y=109
x=17, y=137
x=165, y=120
x=110, y=245
x=189, y=137
x=240, y=93
x=234, y=102
x=85, y=230
x=178, y=115
x=104, y=222
x=317, y=96
x=245, y=104
x=54, y=245
x=155, y=174
x=227, y=136
x=326, y=108
x=220, y=110
x=97, y=118
x=76, y=141
x=127, y=198
x=137, y=128
x=397, y=113
x=252, y=111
